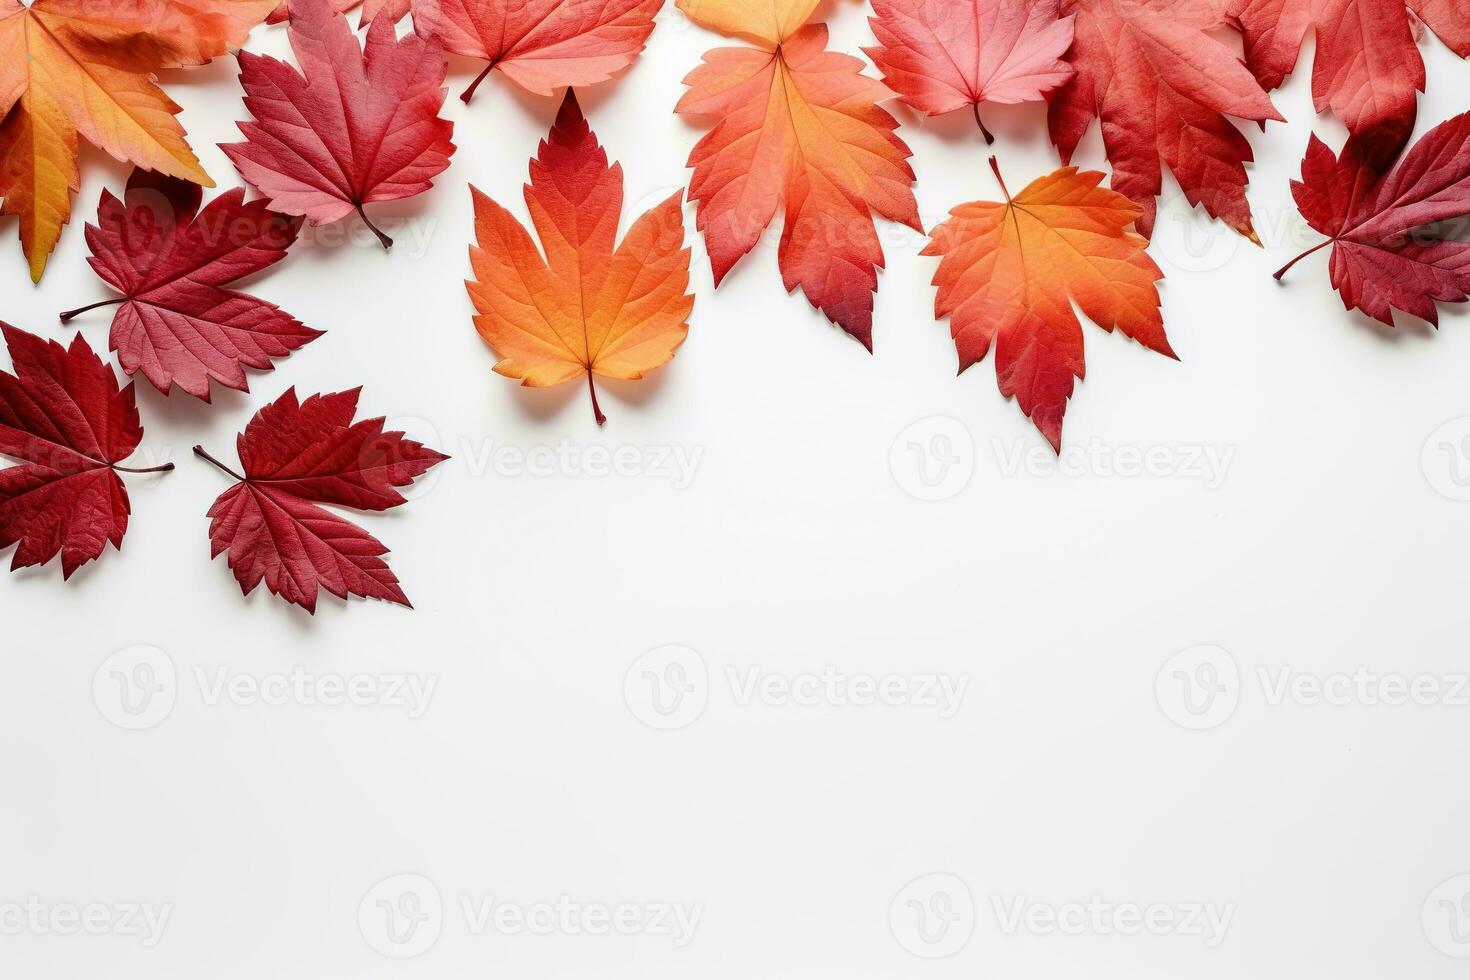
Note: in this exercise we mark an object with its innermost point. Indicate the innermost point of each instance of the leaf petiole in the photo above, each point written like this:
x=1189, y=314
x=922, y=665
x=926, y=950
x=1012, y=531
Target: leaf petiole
x=1287, y=267
x=69, y=315
x=199, y=451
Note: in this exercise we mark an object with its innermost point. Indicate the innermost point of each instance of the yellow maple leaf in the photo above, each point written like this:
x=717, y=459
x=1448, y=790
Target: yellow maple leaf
x=84, y=69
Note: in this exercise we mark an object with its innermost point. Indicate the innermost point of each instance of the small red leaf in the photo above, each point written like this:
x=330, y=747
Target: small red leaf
x=64, y=418
x=299, y=454
x=178, y=324
x=355, y=125
x=1389, y=234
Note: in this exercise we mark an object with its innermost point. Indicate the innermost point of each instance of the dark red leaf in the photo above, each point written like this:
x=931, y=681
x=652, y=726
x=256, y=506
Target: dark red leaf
x=296, y=455
x=64, y=418
x=1392, y=237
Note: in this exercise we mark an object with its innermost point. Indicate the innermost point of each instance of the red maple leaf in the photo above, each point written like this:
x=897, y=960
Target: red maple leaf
x=1162, y=87
x=1387, y=233
x=297, y=455
x=1367, y=68
x=178, y=323
x=354, y=126
x=64, y=419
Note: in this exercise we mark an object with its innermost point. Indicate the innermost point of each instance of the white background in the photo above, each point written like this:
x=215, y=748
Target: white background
x=1330, y=541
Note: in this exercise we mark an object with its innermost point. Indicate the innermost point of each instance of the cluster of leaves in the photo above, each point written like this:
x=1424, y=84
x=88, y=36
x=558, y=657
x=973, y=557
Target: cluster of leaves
x=795, y=129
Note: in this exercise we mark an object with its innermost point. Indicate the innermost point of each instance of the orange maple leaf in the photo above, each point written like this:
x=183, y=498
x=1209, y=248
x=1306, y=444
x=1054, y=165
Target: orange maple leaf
x=1010, y=272
x=797, y=126
x=71, y=68
x=587, y=307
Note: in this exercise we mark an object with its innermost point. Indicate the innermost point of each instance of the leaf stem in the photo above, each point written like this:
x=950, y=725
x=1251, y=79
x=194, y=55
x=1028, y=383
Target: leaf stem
x=989, y=139
x=165, y=468
x=69, y=315
x=995, y=166
x=199, y=451
x=1287, y=267
x=469, y=93
x=384, y=239
x=596, y=408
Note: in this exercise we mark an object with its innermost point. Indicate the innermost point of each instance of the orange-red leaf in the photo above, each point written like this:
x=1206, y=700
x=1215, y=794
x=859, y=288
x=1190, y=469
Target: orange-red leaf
x=591, y=305
x=798, y=128
x=1009, y=274
x=541, y=45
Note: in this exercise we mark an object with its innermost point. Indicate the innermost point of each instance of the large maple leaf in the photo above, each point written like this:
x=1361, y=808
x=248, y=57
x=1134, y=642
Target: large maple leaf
x=63, y=417
x=797, y=127
x=541, y=45
x=178, y=323
x=944, y=55
x=297, y=455
x=1162, y=87
x=591, y=306
x=357, y=124
x=1387, y=233
x=73, y=69
x=1367, y=70
x=1009, y=274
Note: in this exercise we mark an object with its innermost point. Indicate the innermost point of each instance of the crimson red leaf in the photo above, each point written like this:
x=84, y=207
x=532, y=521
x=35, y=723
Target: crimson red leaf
x=299, y=454
x=354, y=126
x=178, y=324
x=1367, y=67
x=1387, y=234
x=1162, y=87
x=64, y=418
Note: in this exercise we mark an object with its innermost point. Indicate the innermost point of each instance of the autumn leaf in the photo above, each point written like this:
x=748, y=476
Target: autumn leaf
x=541, y=45
x=64, y=419
x=1162, y=87
x=356, y=125
x=178, y=324
x=295, y=456
x=1367, y=69
x=944, y=55
x=371, y=9
x=83, y=69
x=586, y=308
x=1388, y=233
x=1009, y=274
x=796, y=127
